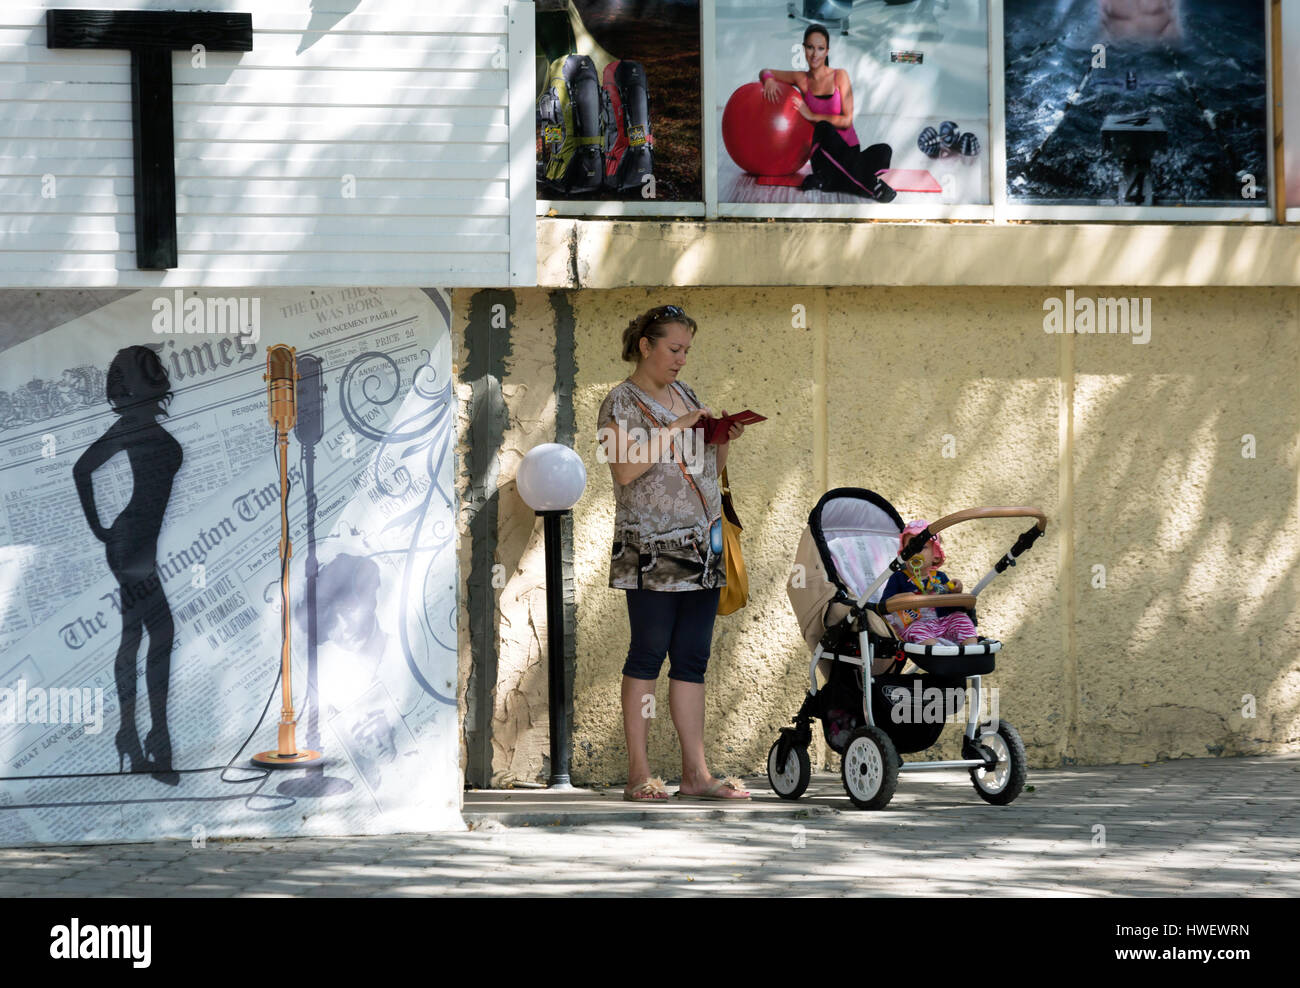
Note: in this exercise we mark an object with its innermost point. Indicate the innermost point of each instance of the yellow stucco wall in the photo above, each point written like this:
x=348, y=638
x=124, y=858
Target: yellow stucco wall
x=942, y=400
x=945, y=398
x=1199, y=542
x=746, y=355
x=612, y=253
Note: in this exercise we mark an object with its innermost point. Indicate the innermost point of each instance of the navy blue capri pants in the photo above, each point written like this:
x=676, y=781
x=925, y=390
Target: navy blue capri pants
x=676, y=623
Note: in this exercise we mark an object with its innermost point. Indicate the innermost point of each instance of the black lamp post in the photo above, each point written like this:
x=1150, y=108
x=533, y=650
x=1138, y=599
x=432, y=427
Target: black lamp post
x=551, y=479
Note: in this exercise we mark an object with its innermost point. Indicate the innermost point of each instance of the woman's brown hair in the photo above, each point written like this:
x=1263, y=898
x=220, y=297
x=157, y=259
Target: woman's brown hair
x=650, y=325
x=818, y=29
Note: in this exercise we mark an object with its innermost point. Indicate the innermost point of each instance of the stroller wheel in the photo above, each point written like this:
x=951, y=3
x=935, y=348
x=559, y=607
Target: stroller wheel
x=870, y=768
x=791, y=783
x=1001, y=784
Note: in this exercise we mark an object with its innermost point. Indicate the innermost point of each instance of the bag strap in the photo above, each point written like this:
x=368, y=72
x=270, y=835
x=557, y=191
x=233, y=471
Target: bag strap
x=724, y=485
x=728, y=507
x=692, y=405
x=686, y=399
x=645, y=410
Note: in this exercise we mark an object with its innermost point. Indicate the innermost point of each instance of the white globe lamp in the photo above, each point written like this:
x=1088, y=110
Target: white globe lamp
x=551, y=478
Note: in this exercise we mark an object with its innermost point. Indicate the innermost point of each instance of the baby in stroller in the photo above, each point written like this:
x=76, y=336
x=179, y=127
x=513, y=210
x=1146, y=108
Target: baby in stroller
x=857, y=568
x=927, y=625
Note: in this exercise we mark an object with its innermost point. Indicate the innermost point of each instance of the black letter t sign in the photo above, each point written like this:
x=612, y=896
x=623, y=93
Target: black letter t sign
x=151, y=37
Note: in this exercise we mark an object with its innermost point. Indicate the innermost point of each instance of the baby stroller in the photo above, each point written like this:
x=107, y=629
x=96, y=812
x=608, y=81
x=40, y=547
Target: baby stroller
x=869, y=708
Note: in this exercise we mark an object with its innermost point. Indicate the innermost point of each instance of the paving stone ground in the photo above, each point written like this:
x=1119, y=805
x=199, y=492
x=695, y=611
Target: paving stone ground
x=1204, y=827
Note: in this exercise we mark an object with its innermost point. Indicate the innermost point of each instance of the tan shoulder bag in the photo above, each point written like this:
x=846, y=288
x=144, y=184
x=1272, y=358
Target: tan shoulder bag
x=735, y=594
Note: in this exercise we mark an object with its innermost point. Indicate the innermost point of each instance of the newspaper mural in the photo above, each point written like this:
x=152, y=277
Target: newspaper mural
x=139, y=569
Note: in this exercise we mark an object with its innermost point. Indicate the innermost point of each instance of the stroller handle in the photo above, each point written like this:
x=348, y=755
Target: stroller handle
x=959, y=516
x=919, y=540
x=906, y=601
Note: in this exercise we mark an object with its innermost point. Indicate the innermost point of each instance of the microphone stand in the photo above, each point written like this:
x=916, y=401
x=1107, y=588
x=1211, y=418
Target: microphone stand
x=281, y=378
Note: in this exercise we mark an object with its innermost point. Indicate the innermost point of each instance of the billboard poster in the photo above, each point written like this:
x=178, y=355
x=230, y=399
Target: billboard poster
x=1291, y=105
x=832, y=103
x=140, y=567
x=1136, y=103
x=618, y=100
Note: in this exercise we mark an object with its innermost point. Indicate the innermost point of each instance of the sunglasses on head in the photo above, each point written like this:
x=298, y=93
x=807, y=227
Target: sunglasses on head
x=669, y=312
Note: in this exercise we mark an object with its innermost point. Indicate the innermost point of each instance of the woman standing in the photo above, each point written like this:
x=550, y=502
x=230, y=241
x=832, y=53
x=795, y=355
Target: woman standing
x=838, y=163
x=667, y=552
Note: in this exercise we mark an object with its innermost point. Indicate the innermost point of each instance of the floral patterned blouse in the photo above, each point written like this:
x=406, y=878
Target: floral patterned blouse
x=666, y=535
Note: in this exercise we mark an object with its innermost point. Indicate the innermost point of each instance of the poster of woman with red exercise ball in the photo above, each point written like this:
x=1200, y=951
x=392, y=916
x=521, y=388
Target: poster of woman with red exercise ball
x=835, y=107
x=618, y=101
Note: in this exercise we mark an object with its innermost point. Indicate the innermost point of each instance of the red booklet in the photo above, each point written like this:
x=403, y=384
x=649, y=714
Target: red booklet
x=715, y=430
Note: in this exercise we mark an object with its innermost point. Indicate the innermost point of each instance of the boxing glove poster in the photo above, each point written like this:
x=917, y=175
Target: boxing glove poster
x=618, y=102
x=1137, y=103
x=833, y=108
x=140, y=579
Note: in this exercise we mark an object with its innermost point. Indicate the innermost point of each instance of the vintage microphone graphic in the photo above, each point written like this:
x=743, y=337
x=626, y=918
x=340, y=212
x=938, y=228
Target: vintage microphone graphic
x=282, y=409
x=309, y=432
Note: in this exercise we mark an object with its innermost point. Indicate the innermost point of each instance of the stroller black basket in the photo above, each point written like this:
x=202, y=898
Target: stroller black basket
x=903, y=707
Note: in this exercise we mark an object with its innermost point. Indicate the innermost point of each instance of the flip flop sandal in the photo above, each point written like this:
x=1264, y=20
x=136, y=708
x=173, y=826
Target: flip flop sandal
x=731, y=783
x=651, y=790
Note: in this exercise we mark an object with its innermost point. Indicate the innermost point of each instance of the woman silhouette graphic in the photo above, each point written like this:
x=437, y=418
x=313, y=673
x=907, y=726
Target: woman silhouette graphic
x=139, y=390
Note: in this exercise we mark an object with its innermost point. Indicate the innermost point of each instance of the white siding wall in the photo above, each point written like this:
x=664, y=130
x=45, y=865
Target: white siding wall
x=402, y=94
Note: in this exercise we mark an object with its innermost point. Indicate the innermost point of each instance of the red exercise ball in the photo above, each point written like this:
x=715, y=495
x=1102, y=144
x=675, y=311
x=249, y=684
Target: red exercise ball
x=766, y=138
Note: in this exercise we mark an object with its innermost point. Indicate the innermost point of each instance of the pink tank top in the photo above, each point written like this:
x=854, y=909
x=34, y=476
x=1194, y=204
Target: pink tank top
x=830, y=105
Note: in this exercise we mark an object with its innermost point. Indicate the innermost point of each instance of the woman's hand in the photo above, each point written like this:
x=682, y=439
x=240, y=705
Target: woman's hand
x=641, y=456
x=803, y=110
x=736, y=431
x=687, y=421
x=771, y=89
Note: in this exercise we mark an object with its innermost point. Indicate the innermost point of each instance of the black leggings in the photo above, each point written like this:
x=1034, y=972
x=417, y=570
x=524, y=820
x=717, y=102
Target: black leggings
x=846, y=169
x=678, y=624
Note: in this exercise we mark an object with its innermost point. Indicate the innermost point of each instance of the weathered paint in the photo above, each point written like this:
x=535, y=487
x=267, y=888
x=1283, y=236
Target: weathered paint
x=485, y=352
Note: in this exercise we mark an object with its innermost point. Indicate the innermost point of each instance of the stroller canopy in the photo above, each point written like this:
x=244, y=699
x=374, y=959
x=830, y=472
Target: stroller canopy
x=852, y=536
